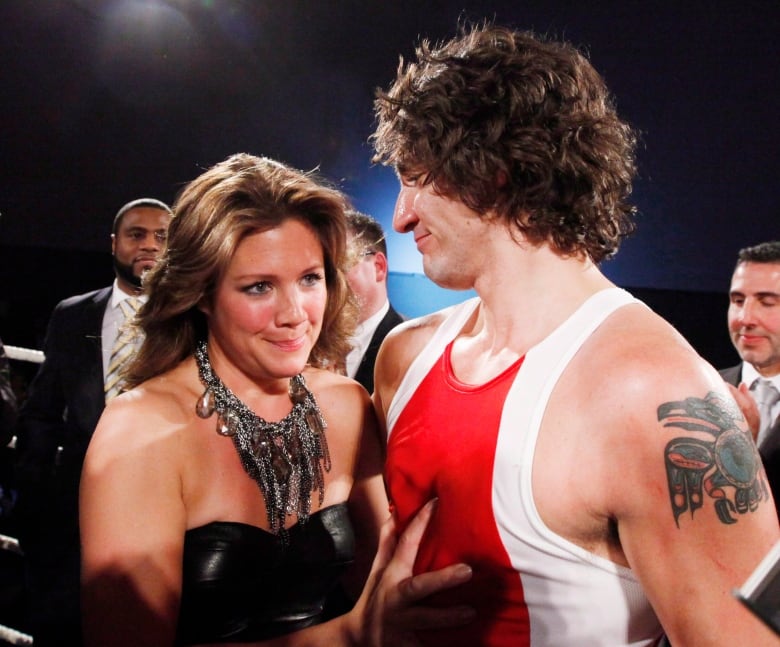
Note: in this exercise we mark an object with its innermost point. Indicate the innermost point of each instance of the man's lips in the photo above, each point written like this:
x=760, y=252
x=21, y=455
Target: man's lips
x=750, y=339
x=420, y=240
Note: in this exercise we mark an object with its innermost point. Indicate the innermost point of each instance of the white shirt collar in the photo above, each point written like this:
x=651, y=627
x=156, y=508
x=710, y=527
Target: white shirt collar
x=362, y=338
x=118, y=294
x=750, y=375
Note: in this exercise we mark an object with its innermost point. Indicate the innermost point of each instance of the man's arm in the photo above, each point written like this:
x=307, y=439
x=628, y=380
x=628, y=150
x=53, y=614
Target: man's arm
x=41, y=416
x=698, y=516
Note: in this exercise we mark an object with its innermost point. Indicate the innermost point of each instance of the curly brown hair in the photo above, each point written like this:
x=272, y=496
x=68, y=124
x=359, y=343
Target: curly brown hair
x=512, y=124
x=237, y=197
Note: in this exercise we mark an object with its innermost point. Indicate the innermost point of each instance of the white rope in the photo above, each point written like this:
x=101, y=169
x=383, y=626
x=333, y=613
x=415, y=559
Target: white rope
x=24, y=354
x=14, y=637
x=10, y=544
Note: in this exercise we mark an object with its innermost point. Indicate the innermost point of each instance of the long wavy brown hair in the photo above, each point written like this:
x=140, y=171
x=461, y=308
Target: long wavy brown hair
x=518, y=126
x=237, y=197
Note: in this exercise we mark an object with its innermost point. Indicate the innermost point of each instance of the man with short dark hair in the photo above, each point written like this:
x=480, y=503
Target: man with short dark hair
x=367, y=276
x=754, y=328
x=56, y=422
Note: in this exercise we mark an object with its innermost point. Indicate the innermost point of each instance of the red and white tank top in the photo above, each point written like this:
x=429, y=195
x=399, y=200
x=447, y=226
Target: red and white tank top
x=472, y=447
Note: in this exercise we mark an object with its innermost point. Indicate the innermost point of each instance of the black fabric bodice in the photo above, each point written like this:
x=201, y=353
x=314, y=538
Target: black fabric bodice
x=242, y=583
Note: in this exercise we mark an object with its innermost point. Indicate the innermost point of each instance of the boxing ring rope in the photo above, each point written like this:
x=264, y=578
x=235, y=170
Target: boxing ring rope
x=7, y=634
x=24, y=354
x=14, y=637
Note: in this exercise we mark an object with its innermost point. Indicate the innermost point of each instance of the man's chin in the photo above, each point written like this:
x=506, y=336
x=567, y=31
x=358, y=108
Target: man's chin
x=751, y=356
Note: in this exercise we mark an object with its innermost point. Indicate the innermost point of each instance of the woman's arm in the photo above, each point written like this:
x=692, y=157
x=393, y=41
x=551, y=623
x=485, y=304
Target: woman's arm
x=368, y=503
x=132, y=531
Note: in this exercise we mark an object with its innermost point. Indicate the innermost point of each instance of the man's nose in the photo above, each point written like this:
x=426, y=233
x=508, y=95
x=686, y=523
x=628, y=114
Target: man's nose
x=747, y=313
x=405, y=216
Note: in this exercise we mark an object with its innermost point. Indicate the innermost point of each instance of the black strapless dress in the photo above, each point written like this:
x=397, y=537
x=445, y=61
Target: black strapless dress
x=241, y=583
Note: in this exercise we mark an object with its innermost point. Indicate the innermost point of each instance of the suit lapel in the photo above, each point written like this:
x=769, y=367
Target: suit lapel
x=91, y=350
x=732, y=375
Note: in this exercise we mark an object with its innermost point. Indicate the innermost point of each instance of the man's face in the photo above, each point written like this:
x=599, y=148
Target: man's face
x=447, y=233
x=138, y=243
x=362, y=274
x=754, y=315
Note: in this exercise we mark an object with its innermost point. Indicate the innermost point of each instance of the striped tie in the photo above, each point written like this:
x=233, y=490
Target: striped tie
x=125, y=345
x=766, y=396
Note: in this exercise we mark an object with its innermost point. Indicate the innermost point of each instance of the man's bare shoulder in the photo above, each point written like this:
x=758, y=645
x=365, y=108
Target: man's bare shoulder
x=635, y=343
x=407, y=340
x=399, y=349
x=665, y=454
x=418, y=329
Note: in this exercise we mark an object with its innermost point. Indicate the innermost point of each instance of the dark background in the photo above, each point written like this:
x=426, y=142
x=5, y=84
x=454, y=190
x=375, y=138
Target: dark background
x=105, y=101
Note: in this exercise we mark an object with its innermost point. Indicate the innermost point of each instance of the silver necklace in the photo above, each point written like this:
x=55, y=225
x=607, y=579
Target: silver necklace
x=287, y=459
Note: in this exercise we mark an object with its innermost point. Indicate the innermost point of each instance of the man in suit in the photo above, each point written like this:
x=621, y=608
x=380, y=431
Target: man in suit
x=754, y=327
x=368, y=279
x=66, y=399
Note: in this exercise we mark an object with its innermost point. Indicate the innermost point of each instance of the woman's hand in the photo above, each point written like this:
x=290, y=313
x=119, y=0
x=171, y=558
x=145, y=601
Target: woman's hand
x=388, y=611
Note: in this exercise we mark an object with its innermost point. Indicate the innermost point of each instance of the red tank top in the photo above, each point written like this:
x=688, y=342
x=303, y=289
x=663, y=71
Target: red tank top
x=443, y=445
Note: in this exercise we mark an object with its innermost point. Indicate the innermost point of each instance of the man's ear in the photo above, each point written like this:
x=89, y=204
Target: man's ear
x=113, y=244
x=380, y=266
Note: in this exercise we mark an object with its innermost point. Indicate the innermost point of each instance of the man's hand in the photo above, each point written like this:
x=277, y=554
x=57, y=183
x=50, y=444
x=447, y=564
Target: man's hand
x=387, y=608
x=749, y=407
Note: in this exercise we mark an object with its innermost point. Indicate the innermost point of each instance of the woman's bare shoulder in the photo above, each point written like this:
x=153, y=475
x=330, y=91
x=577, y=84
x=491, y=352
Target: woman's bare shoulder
x=147, y=416
x=337, y=393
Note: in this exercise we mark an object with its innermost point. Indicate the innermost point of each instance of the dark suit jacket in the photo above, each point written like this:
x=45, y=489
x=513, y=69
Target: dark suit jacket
x=770, y=450
x=62, y=410
x=365, y=372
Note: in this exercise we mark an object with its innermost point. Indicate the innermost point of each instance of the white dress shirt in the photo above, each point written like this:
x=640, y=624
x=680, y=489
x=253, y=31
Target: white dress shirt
x=749, y=377
x=362, y=338
x=112, y=319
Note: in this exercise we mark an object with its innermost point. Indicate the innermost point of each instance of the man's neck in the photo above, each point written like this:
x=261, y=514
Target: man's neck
x=369, y=308
x=128, y=288
x=522, y=306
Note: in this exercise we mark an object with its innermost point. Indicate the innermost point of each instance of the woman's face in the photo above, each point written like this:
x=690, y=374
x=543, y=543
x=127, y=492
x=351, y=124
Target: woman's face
x=267, y=310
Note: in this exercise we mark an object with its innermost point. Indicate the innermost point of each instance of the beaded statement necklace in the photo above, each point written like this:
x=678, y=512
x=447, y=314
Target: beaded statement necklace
x=287, y=459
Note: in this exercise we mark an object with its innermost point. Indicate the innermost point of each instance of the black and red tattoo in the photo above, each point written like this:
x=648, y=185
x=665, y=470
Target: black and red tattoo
x=718, y=458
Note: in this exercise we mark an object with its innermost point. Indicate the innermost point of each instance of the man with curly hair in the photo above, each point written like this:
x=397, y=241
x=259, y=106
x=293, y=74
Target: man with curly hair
x=590, y=466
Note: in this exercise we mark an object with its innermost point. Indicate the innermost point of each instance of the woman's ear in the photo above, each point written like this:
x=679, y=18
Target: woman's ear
x=204, y=306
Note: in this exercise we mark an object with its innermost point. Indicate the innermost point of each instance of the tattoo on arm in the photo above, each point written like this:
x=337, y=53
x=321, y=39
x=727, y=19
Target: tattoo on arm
x=715, y=458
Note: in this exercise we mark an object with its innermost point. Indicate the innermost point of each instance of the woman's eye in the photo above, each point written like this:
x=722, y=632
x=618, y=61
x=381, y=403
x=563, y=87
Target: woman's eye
x=312, y=279
x=258, y=288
